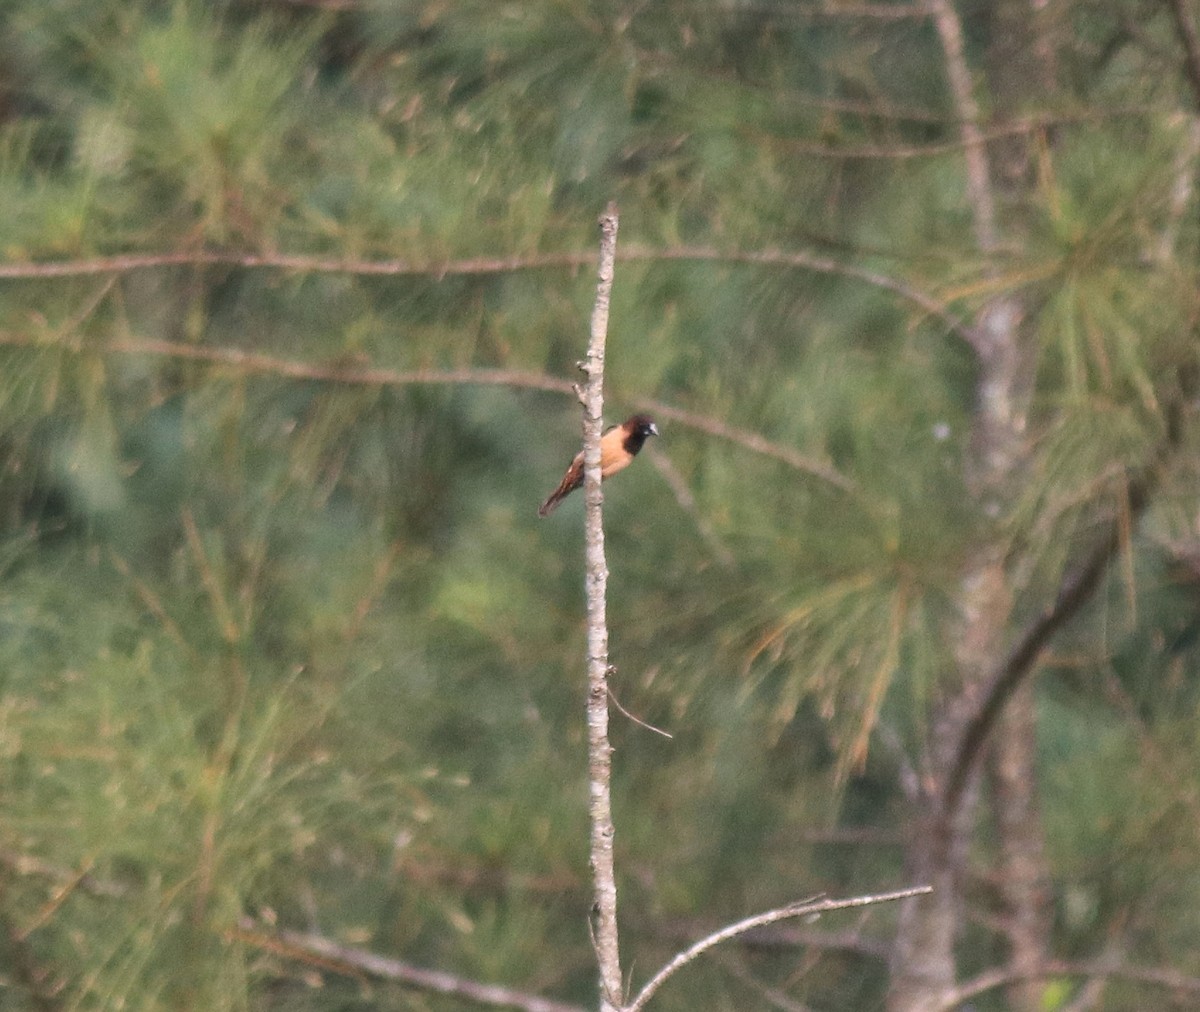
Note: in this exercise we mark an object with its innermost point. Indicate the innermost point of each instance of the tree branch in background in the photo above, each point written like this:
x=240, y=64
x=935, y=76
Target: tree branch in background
x=472, y=266
x=979, y=187
x=773, y=997
x=326, y=954
x=608, y=954
x=687, y=502
x=250, y=362
x=1185, y=28
x=1184, y=169
x=989, y=980
x=1076, y=588
x=1075, y=591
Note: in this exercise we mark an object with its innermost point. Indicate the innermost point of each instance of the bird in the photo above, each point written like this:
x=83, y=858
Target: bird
x=618, y=446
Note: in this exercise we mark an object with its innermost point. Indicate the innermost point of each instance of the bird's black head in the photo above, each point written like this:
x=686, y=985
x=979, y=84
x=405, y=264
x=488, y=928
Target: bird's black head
x=643, y=425
x=638, y=429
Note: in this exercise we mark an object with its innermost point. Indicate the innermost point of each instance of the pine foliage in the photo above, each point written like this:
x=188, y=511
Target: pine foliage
x=283, y=641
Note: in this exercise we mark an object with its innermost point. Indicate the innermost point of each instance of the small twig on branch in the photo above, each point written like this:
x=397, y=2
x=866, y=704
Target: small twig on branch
x=608, y=954
x=687, y=503
x=637, y=720
x=329, y=955
x=805, y=908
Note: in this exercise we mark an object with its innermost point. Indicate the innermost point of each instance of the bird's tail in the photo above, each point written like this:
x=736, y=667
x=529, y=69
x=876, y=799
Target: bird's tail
x=572, y=480
x=557, y=496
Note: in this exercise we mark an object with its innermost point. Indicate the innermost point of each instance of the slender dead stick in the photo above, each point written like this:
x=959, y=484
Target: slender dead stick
x=805, y=908
x=599, y=751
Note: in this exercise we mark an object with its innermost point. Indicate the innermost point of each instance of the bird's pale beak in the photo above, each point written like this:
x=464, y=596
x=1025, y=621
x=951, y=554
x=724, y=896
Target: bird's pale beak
x=653, y=429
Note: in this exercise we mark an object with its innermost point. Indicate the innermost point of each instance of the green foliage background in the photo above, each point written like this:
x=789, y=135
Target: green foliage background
x=294, y=649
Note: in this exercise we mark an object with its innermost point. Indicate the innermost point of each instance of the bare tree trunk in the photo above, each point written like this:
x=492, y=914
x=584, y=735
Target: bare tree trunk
x=1021, y=863
x=923, y=969
x=922, y=961
x=1021, y=62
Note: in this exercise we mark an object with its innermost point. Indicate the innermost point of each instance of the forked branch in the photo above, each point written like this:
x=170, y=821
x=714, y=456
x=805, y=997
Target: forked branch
x=805, y=908
x=1076, y=589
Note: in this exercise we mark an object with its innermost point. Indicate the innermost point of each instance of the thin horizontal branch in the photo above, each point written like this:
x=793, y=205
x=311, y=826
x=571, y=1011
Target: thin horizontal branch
x=875, y=12
x=326, y=5
x=346, y=959
x=991, y=979
x=270, y=365
x=818, y=264
x=298, y=262
x=805, y=908
x=999, y=131
x=827, y=9
x=472, y=266
x=750, y=440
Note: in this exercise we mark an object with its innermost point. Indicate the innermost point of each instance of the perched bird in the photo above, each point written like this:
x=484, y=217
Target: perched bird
x=618, y=446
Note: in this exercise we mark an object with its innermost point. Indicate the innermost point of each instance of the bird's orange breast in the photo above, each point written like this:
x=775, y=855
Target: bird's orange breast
x=613, y=455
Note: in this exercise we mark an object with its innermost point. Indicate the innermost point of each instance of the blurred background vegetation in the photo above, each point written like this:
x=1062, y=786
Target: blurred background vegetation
x=283, y=645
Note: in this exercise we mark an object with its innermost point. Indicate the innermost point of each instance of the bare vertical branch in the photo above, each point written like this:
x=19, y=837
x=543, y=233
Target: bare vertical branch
x=1189, y=39
x=599, y=751
x=1184, y=171
x=979, y=184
